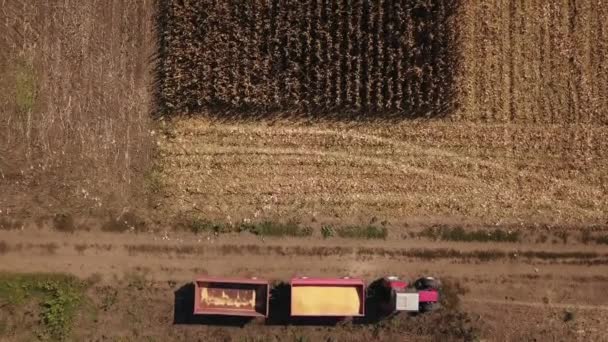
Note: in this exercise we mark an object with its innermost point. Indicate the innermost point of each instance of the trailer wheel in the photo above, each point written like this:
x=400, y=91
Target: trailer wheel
x=427, y=283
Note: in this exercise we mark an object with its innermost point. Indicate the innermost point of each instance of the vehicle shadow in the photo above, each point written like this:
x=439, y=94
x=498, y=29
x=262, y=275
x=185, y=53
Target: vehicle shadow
x=279, y=309
x=377, y=298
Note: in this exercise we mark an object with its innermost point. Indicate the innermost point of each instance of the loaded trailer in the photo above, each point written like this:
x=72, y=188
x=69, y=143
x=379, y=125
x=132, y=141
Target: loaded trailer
x=327, y=297
x=231, y=297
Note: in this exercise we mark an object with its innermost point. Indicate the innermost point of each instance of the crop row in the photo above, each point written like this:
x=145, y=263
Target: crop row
x=322, y=56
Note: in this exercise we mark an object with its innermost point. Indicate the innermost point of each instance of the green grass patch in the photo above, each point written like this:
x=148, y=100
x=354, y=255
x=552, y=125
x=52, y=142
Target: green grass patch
x=363, y=232
x=269, y=228
x=327, y=232
x=462, y=235
x=59, y=297
x=153, y=181
x=25, y=87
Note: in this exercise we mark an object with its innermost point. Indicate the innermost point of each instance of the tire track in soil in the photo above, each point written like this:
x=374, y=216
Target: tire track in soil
x=435, y=152
x=536, y=304
x=561, y=205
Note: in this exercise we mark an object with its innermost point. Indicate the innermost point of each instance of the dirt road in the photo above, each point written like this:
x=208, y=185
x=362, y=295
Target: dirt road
x=525, y=285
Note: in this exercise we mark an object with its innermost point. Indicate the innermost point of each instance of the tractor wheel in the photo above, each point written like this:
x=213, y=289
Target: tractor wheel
x=428, y=307
x=427, y=283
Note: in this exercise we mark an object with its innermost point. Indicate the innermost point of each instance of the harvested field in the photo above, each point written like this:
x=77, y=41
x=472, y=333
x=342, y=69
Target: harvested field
x=534, y=61
x=523, y=145
x=405, y=173
x=74, y=105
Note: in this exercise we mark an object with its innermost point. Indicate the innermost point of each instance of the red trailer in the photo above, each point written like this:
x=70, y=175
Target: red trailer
x=231, y=297
x=327, y=297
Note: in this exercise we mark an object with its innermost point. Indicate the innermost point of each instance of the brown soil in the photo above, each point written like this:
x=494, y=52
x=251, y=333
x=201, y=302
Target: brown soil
x=74, y=106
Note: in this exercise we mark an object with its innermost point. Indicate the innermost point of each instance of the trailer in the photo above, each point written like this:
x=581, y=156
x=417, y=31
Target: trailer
x=231, y=297
x=327, y=297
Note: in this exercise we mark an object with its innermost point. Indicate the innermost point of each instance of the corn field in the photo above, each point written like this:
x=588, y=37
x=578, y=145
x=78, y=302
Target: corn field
x=534, y=61
x=385, y=57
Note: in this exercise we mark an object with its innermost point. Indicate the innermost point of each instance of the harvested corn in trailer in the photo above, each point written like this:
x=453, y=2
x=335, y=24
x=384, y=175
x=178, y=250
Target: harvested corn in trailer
x=228, y=298
x=323, y=300
x=327, y=297
x=231, y=297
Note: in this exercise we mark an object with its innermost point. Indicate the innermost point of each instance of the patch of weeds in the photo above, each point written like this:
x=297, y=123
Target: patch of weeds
x=198, y=226
x=269, y=228
x=602, y=240
x=136, y=280
x=59, y=297
x=64, y=223
x=124, y=222
x=6, y=224
x=327, y=232
x=542, y=238
x=586, y=236
x=25, y=87
x=153, y=181
x=109, y=298
x=429, y=233
x=563, y=236
x=462, y=235
x=365, y=232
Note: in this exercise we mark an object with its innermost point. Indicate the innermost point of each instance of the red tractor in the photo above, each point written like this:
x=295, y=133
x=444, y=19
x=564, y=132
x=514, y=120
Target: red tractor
x=394, y=295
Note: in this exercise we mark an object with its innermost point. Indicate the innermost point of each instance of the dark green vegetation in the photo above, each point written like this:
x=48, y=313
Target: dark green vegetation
x=587, y=236
x=363, y=232
x=460, y=234
x=56, y=299
x=383, y=58
x=279, y=229
x=266, y=228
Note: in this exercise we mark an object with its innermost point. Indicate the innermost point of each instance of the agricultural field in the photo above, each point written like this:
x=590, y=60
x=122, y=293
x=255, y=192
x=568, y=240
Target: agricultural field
x=380, y=58
x=145, y=142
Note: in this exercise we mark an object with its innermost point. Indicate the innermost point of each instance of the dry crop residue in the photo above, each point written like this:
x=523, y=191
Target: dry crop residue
x=495, y=173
